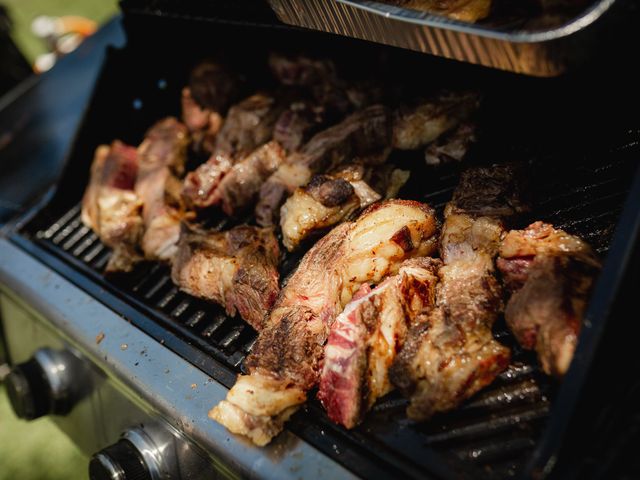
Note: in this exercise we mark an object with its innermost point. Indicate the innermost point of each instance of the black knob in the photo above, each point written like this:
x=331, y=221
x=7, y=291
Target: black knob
x=47, y=383
x=28, y=390
x=120, y=461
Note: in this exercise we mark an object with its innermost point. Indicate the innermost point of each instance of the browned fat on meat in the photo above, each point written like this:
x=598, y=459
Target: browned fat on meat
x=286, y=359
x=162, y=156
x=551, y=274
x=236, y=269
x=249, y=124
x=111, y=208
x=366, y=337
x=451, y=353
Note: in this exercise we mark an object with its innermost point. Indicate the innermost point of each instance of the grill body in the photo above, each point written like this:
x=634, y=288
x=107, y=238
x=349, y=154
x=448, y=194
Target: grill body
x=582, y=169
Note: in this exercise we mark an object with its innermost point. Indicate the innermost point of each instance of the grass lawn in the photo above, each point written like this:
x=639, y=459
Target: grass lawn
x=22, y=13
x=36, y=450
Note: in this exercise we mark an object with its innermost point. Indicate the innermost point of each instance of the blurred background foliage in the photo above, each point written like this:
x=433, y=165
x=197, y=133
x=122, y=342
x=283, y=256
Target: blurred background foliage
x=23, y=12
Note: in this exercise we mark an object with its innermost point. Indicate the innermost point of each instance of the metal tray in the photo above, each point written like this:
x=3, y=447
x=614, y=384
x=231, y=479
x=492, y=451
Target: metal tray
x=543, y=52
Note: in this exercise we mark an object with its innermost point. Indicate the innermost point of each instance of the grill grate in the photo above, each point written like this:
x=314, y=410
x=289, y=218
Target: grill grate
x=493, y=433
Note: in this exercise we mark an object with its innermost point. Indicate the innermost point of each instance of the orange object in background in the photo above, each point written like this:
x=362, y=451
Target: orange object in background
x=62, y=35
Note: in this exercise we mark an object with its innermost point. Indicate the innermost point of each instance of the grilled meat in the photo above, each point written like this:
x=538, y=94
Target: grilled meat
x=318, y=77
x=236, y=269
x=298, y=123
x=161, y=156
x=453, y=146
x=451, y=353
x=301, y=70
x=248, y=125
x=418, y=125
x=239, y=188
x=212, y=88
x=551, y=274
x=203, y=124
x=286, y=359
x=330, y=199
x=366, y=337
x=463, y=10
x=110, y=206
x=365, y=134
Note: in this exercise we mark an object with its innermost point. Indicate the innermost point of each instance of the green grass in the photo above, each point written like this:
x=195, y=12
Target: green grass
x=23, y=12
x=36, y=450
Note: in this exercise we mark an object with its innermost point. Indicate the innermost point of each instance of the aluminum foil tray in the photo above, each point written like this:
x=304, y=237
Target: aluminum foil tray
x=542, y=52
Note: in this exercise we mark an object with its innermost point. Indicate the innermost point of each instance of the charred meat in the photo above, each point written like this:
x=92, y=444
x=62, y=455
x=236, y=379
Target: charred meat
x=236, y=269
x=286, y=359
x=551, y=274
x=365, y=134
x=451, y=353
x=248, y=125
x=366, y=337
x=110, y=206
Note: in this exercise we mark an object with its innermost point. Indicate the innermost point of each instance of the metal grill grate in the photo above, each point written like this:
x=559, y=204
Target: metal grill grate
x=229, y=339
x=494, y=431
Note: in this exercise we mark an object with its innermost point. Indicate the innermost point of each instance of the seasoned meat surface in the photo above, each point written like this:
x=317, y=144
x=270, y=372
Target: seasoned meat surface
x=286, y=360
x=236, y=269
x=110, y=206
x=366, y=337
x=162, y=156
x=551, y=274
x=451, y=354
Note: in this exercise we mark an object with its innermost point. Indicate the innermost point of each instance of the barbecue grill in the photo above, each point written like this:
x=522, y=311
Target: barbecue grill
x=129, y=366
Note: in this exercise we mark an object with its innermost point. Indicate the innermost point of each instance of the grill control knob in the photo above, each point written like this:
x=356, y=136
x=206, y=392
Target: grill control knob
x=44, y=384
x=134, y=457
x=120, y=461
